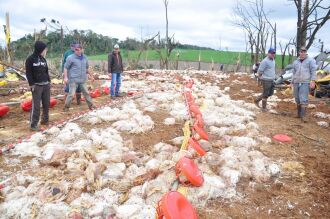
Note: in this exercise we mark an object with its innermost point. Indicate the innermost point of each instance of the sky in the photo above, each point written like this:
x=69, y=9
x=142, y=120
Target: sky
x=199, y=22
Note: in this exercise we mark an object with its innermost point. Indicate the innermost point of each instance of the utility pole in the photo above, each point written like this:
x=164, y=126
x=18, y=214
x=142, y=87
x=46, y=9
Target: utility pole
x=7, y=32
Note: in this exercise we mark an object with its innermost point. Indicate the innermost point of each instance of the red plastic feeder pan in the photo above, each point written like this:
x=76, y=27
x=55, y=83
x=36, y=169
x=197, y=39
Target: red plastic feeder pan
x=26, y=105
x=201, y=132
x=194, y=109
x=4, y=109
x=188, y=172
x=282, y=138
x=174, y=205
x=195, y=144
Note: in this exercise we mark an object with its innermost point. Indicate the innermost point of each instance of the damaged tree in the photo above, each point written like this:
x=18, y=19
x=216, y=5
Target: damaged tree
x=311, y=17
x=134, y=63
x=169, y=42
x=284, y=49
x=252, y=18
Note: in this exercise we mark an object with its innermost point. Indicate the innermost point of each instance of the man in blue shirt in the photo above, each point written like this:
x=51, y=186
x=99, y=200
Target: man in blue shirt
x=75, y=74
x=66, y=88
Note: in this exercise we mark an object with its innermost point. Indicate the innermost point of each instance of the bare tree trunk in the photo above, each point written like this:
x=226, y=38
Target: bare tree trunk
x=167, y=39
x=303, y=33
x=299, y=21
x=275, y=43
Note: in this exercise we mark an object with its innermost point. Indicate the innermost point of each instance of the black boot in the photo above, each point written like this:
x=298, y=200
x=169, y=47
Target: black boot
x=66, y=108
x=303, y=113
x=257, y=101
x=264, y=105
x=78, y=96
x=298, y=111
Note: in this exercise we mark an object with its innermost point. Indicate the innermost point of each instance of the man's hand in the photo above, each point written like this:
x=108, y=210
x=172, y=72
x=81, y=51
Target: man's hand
x=312, y=85
x=32, y=88
x=66, y=80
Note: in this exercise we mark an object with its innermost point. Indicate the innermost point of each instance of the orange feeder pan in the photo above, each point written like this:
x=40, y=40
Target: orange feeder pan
x=200, y=131
x=174, y=205
x=190, y=172
x=26, y=105
x=106, y=90
x=4, y=109
x=53, y=102
x=199, y=120
x=189, y=85
x=194, y=109
x=195, y=144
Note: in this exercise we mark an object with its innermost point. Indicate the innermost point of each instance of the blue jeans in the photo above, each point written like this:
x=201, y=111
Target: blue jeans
x=115, y=81
x=301, y=92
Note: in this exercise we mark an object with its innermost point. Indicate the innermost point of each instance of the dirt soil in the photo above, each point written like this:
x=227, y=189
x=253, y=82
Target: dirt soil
x=301, y=191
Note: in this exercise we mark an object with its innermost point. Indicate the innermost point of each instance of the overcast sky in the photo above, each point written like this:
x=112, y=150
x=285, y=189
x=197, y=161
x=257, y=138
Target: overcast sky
x=199, y=22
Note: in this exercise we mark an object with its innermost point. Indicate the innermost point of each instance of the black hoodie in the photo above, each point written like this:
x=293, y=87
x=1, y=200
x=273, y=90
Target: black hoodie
x=115, y=63
x=36, y=66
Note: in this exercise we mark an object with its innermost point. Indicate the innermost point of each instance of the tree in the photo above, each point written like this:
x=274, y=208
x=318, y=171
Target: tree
x=170, y=43
x=285, y=48
x=253, y=19
x=311, y=17
x=144, y=47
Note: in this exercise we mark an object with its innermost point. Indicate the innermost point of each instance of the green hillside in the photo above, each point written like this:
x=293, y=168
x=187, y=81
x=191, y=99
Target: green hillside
x=224, y=57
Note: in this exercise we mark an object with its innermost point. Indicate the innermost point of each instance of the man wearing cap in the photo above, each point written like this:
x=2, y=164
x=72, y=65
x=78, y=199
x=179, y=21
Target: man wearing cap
x=266, y=74
x=115, y=68
x=66, y=88
x=39, y=81
x=75, y=74
x=303, y=80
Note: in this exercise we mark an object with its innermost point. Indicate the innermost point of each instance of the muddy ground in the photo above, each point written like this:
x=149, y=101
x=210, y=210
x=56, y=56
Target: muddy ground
x=301, y=191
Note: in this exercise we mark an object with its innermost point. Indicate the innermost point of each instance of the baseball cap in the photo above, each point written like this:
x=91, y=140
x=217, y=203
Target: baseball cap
x=272, y=50
x=116, y=46
x=303, y=48
x=73, y=43
x=77, y=46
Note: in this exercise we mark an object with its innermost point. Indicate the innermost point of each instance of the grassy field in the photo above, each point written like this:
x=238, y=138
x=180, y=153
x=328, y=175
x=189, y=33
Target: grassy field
x=224, y=57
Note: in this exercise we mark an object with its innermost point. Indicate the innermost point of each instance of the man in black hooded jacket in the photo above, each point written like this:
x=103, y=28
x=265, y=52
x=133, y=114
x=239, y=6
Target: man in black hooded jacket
x=39, y=82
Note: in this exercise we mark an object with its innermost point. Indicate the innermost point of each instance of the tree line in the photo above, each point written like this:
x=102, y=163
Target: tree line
x=93, y=43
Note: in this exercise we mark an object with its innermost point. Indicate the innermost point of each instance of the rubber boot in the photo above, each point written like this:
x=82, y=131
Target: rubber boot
x=78, y=96
x=303, y=114
x=257, y=101
x=91, y=107
x=264, y=105
x=298, y=111
x=65, y=96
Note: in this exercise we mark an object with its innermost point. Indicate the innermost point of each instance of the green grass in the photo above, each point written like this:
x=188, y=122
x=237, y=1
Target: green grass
x=224, y=57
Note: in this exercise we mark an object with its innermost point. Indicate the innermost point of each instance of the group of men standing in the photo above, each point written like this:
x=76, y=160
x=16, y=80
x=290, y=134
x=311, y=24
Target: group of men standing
x=75, y=69
x=304, y=69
